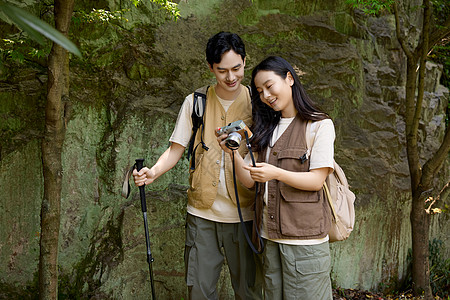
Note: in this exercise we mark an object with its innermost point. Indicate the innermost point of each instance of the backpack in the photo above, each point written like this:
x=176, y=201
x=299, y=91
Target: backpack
x=198, y=109
x=340, y=198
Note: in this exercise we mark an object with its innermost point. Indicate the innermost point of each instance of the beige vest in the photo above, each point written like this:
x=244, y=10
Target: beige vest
x=204, y=180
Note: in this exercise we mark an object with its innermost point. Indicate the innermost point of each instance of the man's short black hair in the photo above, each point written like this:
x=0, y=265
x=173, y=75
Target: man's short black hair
x=223, y=42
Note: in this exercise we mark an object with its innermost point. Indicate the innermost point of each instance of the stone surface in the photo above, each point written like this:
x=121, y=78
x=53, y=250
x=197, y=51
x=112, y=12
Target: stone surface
x=125, y=96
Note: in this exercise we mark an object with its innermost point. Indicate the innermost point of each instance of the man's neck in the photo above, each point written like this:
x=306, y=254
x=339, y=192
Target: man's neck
x=225, y=95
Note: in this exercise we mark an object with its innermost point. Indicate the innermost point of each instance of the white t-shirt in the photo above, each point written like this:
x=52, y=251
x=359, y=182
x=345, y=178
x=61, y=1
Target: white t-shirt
x=322, y=153
x=223, y=209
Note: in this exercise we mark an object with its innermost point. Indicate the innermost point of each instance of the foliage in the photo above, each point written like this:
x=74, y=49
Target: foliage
x=169, y=6
x=439, y=270
x=99, y=16
x=36, y=28
x=441, y=10
x=371, y=7
x=19, y=47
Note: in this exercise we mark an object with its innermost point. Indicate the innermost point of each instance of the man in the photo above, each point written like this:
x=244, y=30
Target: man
x=212, y=222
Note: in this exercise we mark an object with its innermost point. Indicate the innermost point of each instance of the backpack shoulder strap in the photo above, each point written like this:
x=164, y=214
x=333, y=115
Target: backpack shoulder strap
x=308, y=136
x=309, y=144
x=199, y=106
x=198, y=110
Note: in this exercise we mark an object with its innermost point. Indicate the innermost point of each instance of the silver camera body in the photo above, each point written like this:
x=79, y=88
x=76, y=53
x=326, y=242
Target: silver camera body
x=236, y=131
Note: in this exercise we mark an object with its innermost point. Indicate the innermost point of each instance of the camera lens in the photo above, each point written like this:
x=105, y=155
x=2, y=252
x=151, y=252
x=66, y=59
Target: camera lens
x=233, y=141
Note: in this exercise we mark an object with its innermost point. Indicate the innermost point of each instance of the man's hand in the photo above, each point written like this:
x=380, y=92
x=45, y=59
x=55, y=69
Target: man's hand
x=221, y=141
x=144, y=176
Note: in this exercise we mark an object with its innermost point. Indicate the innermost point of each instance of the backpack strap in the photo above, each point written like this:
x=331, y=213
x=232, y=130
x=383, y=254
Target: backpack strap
x=198, y=110
x=249, y=91
x=328, y=195
x=309, y=144
x=308, y=136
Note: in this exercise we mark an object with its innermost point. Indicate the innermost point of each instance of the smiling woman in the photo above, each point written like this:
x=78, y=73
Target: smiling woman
x=291, y=211
x=276, y=92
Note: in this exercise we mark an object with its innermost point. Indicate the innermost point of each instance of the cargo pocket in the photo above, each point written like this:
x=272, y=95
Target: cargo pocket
x=313, y=266
x=190, y=251
x=314, y=273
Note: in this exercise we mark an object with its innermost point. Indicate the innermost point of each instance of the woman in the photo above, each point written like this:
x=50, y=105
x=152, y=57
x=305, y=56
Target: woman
x=292, y=213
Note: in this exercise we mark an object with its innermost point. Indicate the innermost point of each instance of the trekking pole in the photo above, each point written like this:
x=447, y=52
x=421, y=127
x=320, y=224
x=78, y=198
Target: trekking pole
x=139, y=165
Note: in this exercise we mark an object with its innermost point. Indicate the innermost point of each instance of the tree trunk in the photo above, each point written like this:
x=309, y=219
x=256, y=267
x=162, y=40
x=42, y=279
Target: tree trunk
x=420, y=227
x=58, y=74
x=421, y=178
x=420, y=220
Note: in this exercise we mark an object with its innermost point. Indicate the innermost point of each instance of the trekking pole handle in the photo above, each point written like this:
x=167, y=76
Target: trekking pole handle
x=139, y=166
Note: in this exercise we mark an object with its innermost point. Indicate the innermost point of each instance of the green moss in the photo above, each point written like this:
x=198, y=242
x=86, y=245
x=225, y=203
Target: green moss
x=105, y=252
x=23, y=292
x=199, y=8
x=345, y=24
x=22, y=118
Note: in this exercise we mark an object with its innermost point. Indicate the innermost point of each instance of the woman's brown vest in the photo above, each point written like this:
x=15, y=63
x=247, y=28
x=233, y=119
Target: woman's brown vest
x=292, y=213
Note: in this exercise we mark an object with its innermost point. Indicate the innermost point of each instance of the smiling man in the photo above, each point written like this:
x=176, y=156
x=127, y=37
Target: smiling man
x=213, y=229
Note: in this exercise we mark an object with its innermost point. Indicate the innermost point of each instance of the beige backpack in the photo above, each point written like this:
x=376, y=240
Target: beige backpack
x=340, y=198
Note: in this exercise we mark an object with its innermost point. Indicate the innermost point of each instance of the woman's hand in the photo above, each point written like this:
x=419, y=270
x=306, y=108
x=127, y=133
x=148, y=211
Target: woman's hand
x=263, y=172
x=144, y=176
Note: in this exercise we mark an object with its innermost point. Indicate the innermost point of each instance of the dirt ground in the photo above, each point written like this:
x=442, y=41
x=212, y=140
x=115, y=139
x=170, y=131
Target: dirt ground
x=351, y=294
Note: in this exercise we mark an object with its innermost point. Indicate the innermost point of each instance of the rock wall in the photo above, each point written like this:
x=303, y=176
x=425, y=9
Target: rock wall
x=125, y=96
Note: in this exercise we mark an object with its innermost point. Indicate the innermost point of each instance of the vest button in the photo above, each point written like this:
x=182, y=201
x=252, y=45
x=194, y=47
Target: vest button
x=222, y=117
x=217, y=161
x=275, y=153
x=214, y=183
x=271, y=217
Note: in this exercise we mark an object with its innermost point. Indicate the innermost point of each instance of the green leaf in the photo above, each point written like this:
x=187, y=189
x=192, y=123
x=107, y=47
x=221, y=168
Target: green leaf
x=35, y=27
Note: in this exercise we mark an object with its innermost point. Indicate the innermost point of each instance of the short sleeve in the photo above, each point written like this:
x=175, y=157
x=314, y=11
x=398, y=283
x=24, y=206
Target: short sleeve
x=322, y=152
x=183, y=127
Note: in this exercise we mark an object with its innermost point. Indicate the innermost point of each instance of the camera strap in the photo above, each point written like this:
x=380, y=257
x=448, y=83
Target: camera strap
x=244, y=228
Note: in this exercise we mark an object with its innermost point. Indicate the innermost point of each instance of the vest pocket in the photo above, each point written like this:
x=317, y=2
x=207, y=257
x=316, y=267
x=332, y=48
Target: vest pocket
x=291, y=194
x=294, y=159
x=300, y=215
x=195, y=175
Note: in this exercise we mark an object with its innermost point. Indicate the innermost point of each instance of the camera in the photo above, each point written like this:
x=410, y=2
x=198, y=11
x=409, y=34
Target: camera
x=236, y=131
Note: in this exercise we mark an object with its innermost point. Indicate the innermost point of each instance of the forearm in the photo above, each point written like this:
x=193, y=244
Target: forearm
x=307, y=181
x=242, y=174
x=168, y=159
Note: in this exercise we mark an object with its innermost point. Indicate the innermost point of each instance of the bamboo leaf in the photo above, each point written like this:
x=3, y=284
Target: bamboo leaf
x=35, y=27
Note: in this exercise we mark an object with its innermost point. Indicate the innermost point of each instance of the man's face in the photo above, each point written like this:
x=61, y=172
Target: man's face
x=229, y=73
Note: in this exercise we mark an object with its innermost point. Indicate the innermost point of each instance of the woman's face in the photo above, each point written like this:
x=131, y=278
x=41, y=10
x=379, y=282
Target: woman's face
x=276, y=92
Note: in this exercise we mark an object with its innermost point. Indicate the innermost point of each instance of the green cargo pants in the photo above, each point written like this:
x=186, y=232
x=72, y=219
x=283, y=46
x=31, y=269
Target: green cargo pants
x=207, y=244
x=297, y=272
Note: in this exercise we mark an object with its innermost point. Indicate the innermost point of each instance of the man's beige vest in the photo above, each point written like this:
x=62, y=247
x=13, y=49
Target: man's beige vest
x=204, y=180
